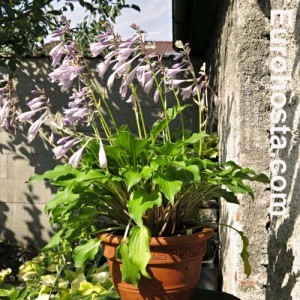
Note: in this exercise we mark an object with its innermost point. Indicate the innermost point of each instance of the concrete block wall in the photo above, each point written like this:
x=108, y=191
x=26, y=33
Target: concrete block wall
x=243, y=65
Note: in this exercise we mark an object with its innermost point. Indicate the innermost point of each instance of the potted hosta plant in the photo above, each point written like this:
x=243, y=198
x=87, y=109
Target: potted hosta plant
x=133, y=189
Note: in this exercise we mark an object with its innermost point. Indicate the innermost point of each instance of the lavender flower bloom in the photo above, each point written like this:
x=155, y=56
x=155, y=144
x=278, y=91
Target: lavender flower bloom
x=143, y=75
x=37, y=102
x=63, y=148
x=79, y=97
x=156, y=96
x=57, y=53
x=102, y=156
x=148, y=85
x=123, y=90
x=63, y=140
x=126, y=82
x=97, y=48
x=175, y=82
x=35, y=127
x=23, y=117
x=124, y=53
x=60, y=32
x=75, y=115
x=172, y=72
x=3, y=94
x=4, y=114
x=121, y=69
x=66, y=73
x=76, y=157
x=37, y=91
x=187, y=92
x=103, y=66
x=111, y=80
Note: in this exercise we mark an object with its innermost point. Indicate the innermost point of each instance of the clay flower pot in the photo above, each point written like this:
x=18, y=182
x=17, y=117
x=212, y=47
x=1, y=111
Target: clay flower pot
x=174, y=266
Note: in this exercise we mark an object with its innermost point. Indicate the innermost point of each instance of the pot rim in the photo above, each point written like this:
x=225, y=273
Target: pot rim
x=205, y=234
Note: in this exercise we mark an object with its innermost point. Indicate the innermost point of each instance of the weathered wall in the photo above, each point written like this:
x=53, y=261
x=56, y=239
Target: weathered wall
x=240, y=64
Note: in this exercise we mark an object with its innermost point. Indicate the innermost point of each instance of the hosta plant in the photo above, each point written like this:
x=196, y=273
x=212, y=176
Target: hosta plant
x=140, y=182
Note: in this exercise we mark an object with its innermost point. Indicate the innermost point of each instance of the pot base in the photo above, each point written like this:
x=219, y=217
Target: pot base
x=174, y=267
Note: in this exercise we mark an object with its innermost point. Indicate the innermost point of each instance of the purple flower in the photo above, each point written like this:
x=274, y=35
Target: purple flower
x=57, y=53
x=75, y=115
x=126, y=82
x=123, y=90
x=3, y=94
x=156, y=96
x=121, y=69
x=124, y=53
x=76, y=157
x=148, y=85
x=37, y=91
x=64, y=146
x=97, y=48
x=4, y=113
x=103, y=66
x=66, y=73
x=175, y=82
x=143, y=75
x=187, y=92
x=111, y=80
x=63, y=140
x=60, y=32
x=36, y=103
x=35, y=127
x=172, y=72
x=23, y=117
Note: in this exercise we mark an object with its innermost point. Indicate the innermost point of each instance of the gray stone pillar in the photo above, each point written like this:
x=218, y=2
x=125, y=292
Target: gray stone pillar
x=243, y=67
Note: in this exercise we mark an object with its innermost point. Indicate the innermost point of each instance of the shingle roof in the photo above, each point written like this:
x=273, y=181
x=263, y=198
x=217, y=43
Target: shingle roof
x=162, y=47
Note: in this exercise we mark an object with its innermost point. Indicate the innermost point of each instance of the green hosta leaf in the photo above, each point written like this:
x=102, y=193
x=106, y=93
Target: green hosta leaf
x=62, y=197
x=196, y=137
x=139, y=249
x=168, y=186
x=130, y=271
x=87, y=288
x=85, y=252
x=58, y=171
x=158, y=162
x=139, y=202
x=135, y=255
x=6, y=290
x=227, y=195
x=244, y=253
x=241, y=189
x=189, y=174
x=55, y=241
x=160, y=125
x=132, y=178
x=171, y=148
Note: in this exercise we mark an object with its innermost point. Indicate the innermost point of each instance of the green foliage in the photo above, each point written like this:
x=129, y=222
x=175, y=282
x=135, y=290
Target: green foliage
x=24, y=24
x=145, y=179
x=53, y=275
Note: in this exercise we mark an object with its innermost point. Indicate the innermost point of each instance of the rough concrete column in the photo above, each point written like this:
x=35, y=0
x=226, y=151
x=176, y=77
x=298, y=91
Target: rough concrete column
x=241, y=64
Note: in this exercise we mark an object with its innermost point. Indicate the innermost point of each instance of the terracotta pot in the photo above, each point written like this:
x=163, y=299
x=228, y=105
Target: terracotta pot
x=174, y=267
